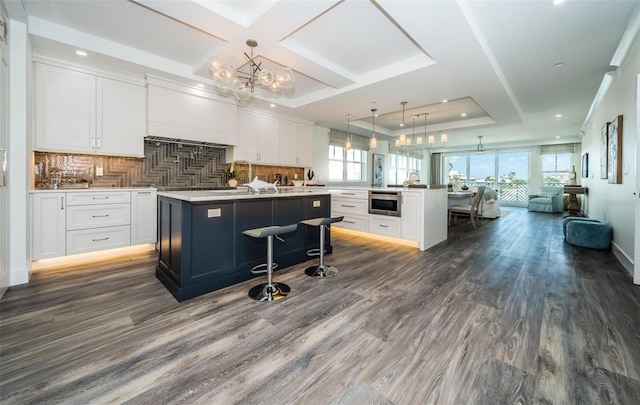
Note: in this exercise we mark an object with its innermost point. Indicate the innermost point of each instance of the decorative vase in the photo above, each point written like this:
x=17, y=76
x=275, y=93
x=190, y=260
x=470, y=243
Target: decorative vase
x=233, y=182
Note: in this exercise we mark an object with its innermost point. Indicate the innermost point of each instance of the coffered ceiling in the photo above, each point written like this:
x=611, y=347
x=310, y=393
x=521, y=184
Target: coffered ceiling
x=507, y=68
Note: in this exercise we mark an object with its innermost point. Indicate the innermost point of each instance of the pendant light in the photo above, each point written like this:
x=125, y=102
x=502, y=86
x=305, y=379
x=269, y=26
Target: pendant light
x=419, y=140
x=409, y=140
x=373, y=143
x=403, y=137
x=348, y=145
x=480, y=145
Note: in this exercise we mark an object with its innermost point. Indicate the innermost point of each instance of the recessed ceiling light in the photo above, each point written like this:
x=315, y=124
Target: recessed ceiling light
x=557, y=136
x=445, y=101
x=201, y=85
x=556, y=2
x=463, y=114
x=81, y=53
x=559, y=65
x=558, y=115
x=272, y=105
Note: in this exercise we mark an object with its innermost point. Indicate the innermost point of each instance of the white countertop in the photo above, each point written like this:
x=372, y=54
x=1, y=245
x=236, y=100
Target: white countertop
x=242, y=194
x=90, y=189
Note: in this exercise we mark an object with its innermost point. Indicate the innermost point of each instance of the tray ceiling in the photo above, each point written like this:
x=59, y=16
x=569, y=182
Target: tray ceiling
x=493, y=60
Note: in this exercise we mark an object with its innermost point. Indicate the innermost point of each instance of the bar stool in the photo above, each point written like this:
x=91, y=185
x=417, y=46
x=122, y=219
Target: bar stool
x=269, y=291
x=320, y=271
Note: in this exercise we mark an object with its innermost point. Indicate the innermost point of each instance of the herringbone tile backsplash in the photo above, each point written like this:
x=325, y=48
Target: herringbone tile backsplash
x=164, y=165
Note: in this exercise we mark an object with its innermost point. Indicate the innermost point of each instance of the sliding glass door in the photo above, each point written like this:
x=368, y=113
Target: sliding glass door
x=505, y=172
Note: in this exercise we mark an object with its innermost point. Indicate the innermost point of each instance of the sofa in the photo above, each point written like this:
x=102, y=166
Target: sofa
x=547, y=199
x=490, y=207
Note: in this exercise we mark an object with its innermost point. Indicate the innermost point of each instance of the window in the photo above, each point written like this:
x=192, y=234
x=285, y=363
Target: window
x=457, y=169
x=507, y=172
x=346, y=164
x=556, y=168
x=400, y=167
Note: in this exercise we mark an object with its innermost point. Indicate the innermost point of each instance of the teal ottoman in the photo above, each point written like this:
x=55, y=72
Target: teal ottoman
x=589, y=234
x=569, y=219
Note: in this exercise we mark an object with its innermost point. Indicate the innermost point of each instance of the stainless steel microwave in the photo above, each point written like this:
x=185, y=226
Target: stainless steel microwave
x=385, y=203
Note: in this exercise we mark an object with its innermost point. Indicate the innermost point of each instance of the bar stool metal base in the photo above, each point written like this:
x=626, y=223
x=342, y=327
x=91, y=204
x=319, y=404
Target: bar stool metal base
x=321, y=271
x=265, y=292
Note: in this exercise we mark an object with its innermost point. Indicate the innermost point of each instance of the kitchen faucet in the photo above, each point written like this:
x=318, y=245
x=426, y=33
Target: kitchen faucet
x=242, y=161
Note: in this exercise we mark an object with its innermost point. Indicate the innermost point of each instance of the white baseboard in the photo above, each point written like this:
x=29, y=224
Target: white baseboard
x=625, y=260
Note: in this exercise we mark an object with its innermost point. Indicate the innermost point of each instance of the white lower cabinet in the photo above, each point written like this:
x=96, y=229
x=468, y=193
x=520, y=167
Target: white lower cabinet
x=97, y=216
x=144, y=213
x=68, y=223
x=384, y=225
x=94, y=239
x=48, y=227
x=412, y=212
x=352, y=205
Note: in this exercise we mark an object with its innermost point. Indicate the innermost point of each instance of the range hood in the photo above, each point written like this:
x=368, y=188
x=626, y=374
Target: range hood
x=162, y=139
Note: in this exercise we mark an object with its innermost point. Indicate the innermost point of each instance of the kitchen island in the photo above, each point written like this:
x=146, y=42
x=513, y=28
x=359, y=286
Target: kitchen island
x=201, y=245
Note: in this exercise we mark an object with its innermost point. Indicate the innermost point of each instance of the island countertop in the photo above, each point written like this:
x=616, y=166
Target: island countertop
x=241, y=194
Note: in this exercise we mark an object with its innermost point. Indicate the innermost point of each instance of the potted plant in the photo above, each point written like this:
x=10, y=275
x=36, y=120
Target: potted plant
x=232, y=176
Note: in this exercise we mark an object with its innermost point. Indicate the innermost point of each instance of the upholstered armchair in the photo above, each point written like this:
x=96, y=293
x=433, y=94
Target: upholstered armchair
x=547, y=199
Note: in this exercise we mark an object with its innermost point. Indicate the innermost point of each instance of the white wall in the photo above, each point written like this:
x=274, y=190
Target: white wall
x=614, y=203
x=19, y=146
x=19, y=155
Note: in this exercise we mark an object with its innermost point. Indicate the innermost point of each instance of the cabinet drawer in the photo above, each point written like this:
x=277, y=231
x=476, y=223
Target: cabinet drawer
x=96, y=216
x=349, y=206
x=98, y=197
x=91, y=240
x=357, y=194
x=384, y=225
x=354, y=222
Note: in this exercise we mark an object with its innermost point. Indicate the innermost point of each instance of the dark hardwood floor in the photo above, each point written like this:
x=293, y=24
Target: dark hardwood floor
x=505, y=314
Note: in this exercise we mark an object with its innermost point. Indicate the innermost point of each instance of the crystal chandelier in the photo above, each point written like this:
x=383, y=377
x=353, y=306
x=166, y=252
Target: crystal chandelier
x=243, y=84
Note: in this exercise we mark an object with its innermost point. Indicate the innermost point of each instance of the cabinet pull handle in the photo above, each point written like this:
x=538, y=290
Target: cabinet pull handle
x=348, y=222
x=99, y=239
x=347, y=206
x=62, y=203
x=99, y=143
x=93, y=142
x=144, y=192
x=348, y=193
x=100, y=216
x=383, y=226
x=100, y=198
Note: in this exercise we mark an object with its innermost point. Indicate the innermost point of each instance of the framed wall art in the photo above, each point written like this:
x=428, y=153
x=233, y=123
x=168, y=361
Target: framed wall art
x=604, y=144
x=377, y=180
x=585, y=165
x=614, y=156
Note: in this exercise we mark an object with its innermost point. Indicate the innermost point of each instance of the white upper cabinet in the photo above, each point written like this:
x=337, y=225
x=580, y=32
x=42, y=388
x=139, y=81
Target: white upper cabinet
x=296, y=144
x=120, y=120
x=81, y=112
x=287, y=142
x=304, y=145
x=179, y=111
x=265, y=138
x=257, y=139
x=65, y=110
